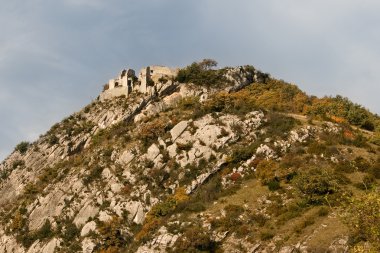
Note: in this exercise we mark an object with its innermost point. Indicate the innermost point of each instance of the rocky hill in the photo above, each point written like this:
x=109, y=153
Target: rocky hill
x=197, y=160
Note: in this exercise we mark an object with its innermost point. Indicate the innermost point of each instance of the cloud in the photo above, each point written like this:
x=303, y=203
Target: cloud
x=97, y=4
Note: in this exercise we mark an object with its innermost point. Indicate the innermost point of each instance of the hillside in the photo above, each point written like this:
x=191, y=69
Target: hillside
x=197, y=159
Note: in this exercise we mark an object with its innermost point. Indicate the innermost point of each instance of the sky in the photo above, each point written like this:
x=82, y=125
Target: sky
x=55, y=56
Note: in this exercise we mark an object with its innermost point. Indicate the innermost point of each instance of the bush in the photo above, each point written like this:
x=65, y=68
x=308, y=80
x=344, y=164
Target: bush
x=268, y=171
x=53, y=139
x=112, y=235
x=363, y=218
x=150, y=131
x=317, y=183
x=274, y=185
x=266, y=235
x=94, y=174
x=367, y=183
x=18, y=163
x=163, y=208
x=71, y=232
x=195, y=239
x=323, y=211
x=22, y=147
x=200, y=73
x=242, y=153
x=279, y=125
x=362, y=164
x=259, y=219
x=375, y=170
x=345, y=166
x=44, y=232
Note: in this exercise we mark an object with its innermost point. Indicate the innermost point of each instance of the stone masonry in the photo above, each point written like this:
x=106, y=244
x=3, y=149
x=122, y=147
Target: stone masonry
x=145, y=83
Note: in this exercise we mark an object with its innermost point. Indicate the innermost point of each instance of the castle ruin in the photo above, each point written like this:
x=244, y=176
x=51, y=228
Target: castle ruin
x=147, y=82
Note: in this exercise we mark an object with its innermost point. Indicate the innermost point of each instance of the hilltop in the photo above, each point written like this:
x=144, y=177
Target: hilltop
x=197, y=159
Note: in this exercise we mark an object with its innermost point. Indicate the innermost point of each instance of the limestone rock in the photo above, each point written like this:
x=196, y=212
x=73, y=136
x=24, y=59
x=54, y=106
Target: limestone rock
x=9, y=244
x=88, y=245
x=116, y=187
x=153, y=152
x=90, y=226
x=178, y=129
x=126, y=157
x=104, y=216
x=87, y=211
x=39, y=247
x=50, y=206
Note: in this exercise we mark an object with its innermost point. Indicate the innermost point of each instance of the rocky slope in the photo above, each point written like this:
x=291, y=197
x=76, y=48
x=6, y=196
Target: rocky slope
x=190, y=168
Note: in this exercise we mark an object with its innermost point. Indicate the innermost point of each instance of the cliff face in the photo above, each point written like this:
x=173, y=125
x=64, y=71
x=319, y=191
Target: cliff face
x=183, y=168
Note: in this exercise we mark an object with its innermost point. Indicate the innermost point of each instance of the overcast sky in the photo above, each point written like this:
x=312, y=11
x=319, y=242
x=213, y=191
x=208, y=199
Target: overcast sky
x=56, y=55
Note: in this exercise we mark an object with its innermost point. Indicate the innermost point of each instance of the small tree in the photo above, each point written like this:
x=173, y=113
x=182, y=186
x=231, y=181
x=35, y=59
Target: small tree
x=22, y=147
x=207, y=64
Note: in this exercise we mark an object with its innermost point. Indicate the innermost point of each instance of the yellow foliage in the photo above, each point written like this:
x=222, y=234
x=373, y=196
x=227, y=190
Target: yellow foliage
x=151, y=224
x=337, y=119
x=17, y=222
x=267, y=170
x=180, y=195
x=110, y=250
x=364, y=218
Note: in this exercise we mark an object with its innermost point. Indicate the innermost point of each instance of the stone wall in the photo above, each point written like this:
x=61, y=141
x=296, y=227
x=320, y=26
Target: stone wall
x=115, y=92
x=148, y=78
x=156, y=72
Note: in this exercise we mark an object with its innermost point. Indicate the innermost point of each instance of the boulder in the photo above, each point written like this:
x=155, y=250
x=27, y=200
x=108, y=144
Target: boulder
x=90, y=226
x=87, y=211
x=50, y=206
x=126, y=157
x=178, y=129
x=153, y=152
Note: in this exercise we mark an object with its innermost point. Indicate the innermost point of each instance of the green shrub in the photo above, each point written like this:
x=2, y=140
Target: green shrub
x=22, y=147
x=367, y=183
x=258, y=218
x=362, y=164
x=18, y=163
x=363, y=218
x=163, y=80
x=317, y=183
x=44, y=232
x=274, y=185
x=375, y=170
x=163, y=208
x=200, y=73
x=193, y=207
x=71, y=232
x=195, y=239
x=345, y=166
x=279, y=124
x=112, y=236
x=94, y=174
x=266, y=235
x=323, y=211
x=53, y=139
x=242, y=153
x=308, y=221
